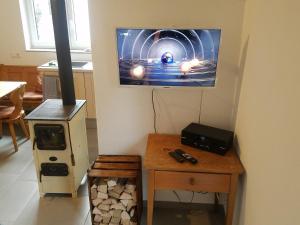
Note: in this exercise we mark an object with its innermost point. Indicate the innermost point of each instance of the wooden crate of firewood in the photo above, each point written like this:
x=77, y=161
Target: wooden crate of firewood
x=115, y=190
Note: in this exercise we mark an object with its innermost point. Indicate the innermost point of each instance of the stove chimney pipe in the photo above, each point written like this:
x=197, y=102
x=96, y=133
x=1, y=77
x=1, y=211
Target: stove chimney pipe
x=60, y=28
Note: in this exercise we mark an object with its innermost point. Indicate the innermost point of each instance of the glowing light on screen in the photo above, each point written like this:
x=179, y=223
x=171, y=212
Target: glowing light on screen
x=138, y=71
x=185, y=67
x=195, y=62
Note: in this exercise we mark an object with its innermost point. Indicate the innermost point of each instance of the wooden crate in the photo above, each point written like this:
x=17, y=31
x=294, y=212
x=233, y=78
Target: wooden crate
x=118, y=166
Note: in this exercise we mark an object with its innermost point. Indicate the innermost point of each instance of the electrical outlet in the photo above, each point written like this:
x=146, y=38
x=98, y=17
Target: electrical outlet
x=15, y=55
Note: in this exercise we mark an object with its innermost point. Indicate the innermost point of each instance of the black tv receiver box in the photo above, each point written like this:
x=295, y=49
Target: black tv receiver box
x=207, y=138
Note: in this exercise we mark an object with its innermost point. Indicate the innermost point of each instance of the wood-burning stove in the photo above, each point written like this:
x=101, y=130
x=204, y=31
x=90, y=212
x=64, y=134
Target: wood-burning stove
x=57, y=127
x=60, y=149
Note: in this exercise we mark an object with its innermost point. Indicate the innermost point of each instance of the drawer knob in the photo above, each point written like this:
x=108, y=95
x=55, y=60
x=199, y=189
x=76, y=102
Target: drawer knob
x=192, y=181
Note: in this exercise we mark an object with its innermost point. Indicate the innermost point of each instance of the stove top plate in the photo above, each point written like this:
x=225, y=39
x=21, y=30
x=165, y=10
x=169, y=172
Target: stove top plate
x=53, y=109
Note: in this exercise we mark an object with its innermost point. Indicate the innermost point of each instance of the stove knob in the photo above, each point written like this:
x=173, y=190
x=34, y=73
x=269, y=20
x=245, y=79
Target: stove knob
x=53, y=158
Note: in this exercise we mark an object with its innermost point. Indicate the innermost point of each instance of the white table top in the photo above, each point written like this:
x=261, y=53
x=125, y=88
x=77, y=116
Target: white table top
x=6, y=87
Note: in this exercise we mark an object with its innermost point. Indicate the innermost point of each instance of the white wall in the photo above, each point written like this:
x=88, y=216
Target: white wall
x=125, y=115
x=268, y=115
x=12, y=44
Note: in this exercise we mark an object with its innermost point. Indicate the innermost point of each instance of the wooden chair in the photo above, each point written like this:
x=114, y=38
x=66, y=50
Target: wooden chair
x=33, y=95
x=15, y=113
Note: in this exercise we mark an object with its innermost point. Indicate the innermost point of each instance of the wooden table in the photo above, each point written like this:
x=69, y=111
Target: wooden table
x=7, y=87
x=212, y=173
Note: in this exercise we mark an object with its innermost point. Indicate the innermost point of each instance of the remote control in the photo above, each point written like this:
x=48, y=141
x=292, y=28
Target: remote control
x=188, y=157
x=177, y=157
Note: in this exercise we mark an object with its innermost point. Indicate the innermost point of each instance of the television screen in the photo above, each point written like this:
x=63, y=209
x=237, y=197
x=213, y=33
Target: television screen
x=168, y=57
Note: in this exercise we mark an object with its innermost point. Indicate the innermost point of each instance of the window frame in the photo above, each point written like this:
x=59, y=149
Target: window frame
x=30, y=32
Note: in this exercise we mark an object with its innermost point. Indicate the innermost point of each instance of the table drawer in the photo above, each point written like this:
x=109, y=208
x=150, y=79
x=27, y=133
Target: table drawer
x=192, y=181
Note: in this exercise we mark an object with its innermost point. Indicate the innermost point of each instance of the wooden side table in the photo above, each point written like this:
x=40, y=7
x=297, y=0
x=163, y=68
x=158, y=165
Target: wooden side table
x=212, y=173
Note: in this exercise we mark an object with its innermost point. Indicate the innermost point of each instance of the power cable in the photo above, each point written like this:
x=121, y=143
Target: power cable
x=154, y=112
x=200, y=107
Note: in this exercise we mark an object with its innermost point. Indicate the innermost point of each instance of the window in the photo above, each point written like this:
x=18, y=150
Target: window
x=38, y=28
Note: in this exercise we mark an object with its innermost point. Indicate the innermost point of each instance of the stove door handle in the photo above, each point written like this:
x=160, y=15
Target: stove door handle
x=34, y=143
x=72, y=159
x=40, y=176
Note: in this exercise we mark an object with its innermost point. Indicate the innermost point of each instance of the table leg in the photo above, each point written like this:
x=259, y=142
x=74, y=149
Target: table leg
x=1, y=129
x=150, y=201
x=231, y=198
x=216, y=203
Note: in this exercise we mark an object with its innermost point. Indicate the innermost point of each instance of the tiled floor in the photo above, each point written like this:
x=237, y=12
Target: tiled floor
x=20, y=203
x=19, y=197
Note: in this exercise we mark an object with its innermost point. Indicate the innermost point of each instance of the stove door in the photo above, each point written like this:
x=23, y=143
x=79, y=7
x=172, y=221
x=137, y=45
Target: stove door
x=50, y=137
x=54, y=169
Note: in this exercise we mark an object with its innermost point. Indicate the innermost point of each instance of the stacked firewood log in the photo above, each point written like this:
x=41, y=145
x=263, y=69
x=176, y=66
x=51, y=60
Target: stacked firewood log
x=113, y=201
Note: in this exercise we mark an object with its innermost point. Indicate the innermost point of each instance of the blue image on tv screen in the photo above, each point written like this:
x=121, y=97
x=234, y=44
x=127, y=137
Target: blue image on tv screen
x=168, y=57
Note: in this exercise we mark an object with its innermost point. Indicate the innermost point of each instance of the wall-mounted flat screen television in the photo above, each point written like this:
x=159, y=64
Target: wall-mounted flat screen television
x=168, y=57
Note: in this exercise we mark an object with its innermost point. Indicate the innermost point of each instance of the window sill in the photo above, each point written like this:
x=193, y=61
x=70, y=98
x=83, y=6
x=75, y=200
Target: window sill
x=53, y=50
